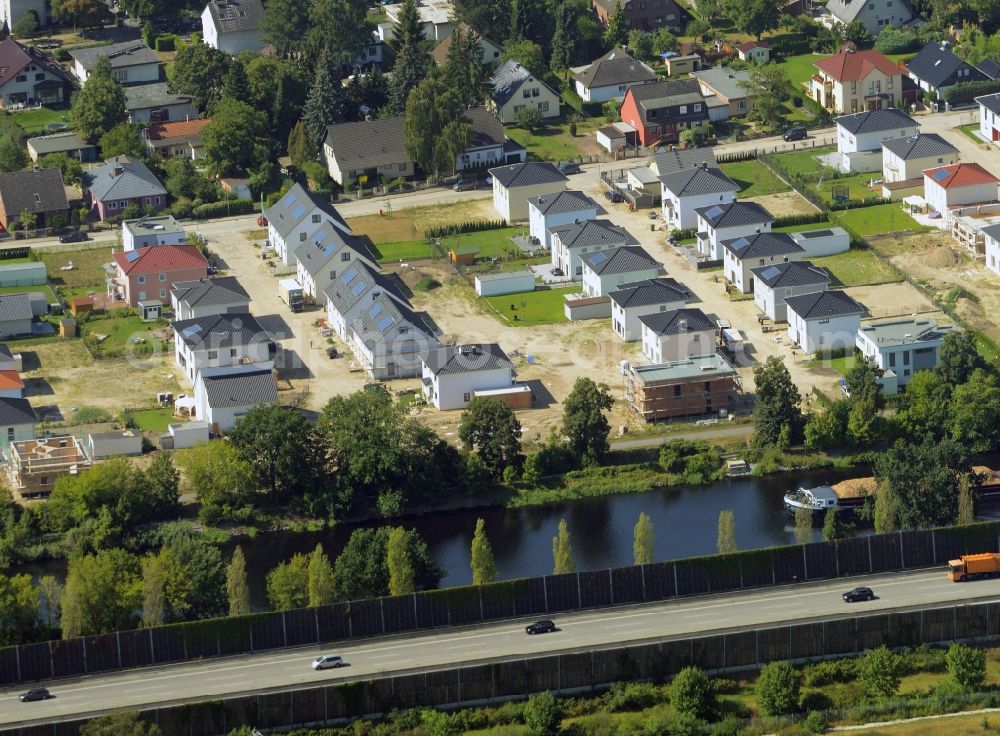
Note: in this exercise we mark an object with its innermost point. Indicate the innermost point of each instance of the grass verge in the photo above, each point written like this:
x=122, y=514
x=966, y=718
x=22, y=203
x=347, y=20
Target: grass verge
x=530, y=308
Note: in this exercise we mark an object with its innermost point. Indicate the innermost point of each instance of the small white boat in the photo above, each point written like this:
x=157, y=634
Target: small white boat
x=817, y=500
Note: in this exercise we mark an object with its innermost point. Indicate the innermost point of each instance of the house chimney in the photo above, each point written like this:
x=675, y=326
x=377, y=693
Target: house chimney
x=704, y=164
x=117, y=170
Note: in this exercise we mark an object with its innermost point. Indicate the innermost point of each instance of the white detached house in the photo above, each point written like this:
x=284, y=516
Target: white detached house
x=453, y=375
x=629, y=302
x=860, y=136
x=549, y=211
x=959, y=184
x=721, y=222
x=606, y=270
x=823, y=321
x=295, y=217
x=686, y=190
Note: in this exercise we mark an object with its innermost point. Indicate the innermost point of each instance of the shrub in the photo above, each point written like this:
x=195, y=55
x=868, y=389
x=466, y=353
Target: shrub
x=893, y=41
x=222, y=209
x=966, y=666
x=529, y=118
x=814, y=722
x=472, y=226
x=691, y=693
x=725, y=686
x=830, y=671
x=166, y=42
x=633, y=696
x=966, y=91
x=427, y=283
x=542, y=714
x=880, y=673
x=777, y=689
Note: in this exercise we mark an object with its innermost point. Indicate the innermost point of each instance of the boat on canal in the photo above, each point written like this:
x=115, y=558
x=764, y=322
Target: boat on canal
x=817, y=500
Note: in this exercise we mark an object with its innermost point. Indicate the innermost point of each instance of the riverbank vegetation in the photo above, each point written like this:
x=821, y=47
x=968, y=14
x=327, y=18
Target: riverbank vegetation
x=879, y=686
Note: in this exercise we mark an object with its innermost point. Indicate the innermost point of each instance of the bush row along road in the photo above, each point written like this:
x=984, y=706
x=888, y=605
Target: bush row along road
x=290, y=669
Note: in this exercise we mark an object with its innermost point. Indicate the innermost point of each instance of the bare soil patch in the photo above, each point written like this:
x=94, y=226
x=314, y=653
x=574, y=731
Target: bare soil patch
x=785, y=203
x=410, y=223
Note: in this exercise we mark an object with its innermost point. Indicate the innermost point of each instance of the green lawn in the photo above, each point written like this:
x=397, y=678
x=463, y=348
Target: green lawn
x=539, y=307
x=488, y=243
x=754, y=178
x=33, y=121
x=858, y=267
x=800, y=68
x=116, y=335
x=89, y=262
x=153, y=420
x=404, y=250
x=970, y=131
x=857, y=187
x=554, y=143
x=801, y=162
x=883, y=218
x=44, y=288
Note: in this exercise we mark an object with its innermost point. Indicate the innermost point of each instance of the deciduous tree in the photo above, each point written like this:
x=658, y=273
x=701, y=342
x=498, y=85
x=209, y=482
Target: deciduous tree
x=122, y=139
x=966, y=501
x=430, y=109
x=880, y=673
x=643, y=540
x=13, y=155
x=200, y=71
x=966, y=666
x=103, y=592
x=483, y=567
x=691, y=693
x=285, y=25
x=777, y=404
x=975, y=406
x=726, y=542
x=281, y=447
x=924, y=481
x=237, y=590
x=584, y=422
x=235, y=138
x=222, y=479
x=529, y=55
x=322, y=584
x=361, y=569
x=834, y=527
x=803, y=526
x=490, y=428
x=542, y=714
x=85, y=13
x=120, y=724
x=562, y=551
x=340, y=25
x=397, y=558
x=753, y=17
x=777, y=689
x=19, y=612
x=288, y=584
x=769, y=87
x=99, y=105
x=27, y=25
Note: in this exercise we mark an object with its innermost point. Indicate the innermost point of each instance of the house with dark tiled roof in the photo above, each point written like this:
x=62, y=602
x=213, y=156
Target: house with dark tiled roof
x=631, y=301
x=388, y=338
x=297, y=215
x=69, y=143
x=148, y=274
x=489, y=51
x=990, y=68
x=719, y=222
x=905, y=159
x=515, y=184
x=233, y=26
x=208, y=297
x=366, y=151
x=155, y=103
x=644, y=14
x=30, y=77
x=453, y=375
x=659, y=111
x=874, y=14
x=989, y=117
x=122, y=181
x=960, y=184
x=488, y=146
x=678, y=334
x=549, y=211
x=823, y=321
x=684, y=191
x=15, y=315
x=748, y=252
x=181, y=138
x=606, y=270
x=132, y=62
x=775, y=282
x=353, y=290
x=328, y=251
x=936, y=67
x=860, y=136
x=852, y=81
x=572, y=241
x=611, y=76
x=17, y=422
x=220, y=341
x=514, y=88
x=39, y=192
x=223, y=395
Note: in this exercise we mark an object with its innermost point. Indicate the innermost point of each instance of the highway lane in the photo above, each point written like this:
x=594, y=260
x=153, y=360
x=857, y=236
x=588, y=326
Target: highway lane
x=277, y=669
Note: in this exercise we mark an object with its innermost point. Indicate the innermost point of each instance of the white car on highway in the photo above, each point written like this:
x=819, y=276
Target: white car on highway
x=327, y=661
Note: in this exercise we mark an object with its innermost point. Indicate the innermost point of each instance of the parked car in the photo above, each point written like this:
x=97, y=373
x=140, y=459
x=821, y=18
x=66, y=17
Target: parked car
x=613, y=195
x=261, y=221
x=38, y=693
x=328, y=661
x=331, y=352
x=556, y=272
x=569, y=168
x=465, y=184
x=488, y=181
x=76, y=236
x=541, y=627
x=795, y=133
x=858, y=594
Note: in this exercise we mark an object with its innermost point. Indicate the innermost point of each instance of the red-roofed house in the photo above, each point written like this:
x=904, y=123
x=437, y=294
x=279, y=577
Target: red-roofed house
x=853, y=81
x=178, y=138
x=11, y=385
x=959, y=184
x=756, y=52
x=148, y=274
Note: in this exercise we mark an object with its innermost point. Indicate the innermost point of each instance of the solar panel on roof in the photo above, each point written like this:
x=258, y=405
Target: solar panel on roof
x=598, y=258
x=191, y=330
x=348, y=275
x=299, y=211
x=132, y=255
x=289, y=200
x=740, y=243
x=770, y=272
x=940, y=175
x=714, y=212
x=358, y=288
x=384, y=323
x=374, y=310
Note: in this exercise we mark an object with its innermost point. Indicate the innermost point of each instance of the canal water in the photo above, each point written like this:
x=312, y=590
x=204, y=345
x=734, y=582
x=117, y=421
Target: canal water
x=684, y=518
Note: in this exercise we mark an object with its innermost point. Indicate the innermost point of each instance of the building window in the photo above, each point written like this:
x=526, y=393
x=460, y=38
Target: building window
x=543, y=107
x=21, y=78
x=684, y=109
x=466, y=397
x=302, y=237
x=10, y=434
x=213, y=354
x=526, y=94
x=892, y=360
x=141, y=279
x=112, y=205
x=232, y=352
x=163, y=293
x=316, y=218
x=163, y=277
x=345, y=256
x=40, y=76
x=906, y=358
x=824, y=321
x=677, y=391
x=402, y=167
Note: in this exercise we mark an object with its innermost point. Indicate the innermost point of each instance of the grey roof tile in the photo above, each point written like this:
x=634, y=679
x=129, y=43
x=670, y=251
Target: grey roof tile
x=527, y=174
x=824, y=304
x=487, y=130
x=990, y=102
x=220, y=292
x=15, y=307
x=935, y=65
x=614, y=68
x=793, y=273
x=134, y=180
x=919, y=146
x=652, y=291
x=677, y=321
x=762, y=245
x=120, y=55
x=325, y=244
x=735, y=214
x=355, y=281
x=240, y=389
x=368, y=144
x=34, y=190
x=562, y=202
x=989, y=68
x=587, y=233
x=16, y=411
x=666, y=162
x=507, y=80
x=875, y=121
x=157, y=94
x=697, y=181
x=724, y=81
x=234, y=16
x=297, y=203
x=627, y=259
x=220, y=331
x=454, y=359
x=58, y=143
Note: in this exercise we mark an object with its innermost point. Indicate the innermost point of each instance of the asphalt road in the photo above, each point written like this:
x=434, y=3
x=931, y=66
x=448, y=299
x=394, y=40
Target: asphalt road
x=289, y=668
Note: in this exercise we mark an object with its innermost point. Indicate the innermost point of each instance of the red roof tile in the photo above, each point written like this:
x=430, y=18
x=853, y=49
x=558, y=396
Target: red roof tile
x=9, y=380
x=960, y=175
x=853, y=66
x=177, y=129
x=158, y=258
x=744, y=47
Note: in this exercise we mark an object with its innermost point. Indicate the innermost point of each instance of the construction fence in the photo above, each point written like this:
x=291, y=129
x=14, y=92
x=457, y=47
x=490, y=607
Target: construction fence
x=573, y=672
x=471, y=605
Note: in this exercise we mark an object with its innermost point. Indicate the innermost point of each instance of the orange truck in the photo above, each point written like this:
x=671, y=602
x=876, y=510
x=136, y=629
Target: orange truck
x=970, y=567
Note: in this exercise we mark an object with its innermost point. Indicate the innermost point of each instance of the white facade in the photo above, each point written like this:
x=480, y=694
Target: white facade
x=941, y=200
x=896, y=168
x=310, y=220
x=679, y=212
x=392, y=356
x=512, y=204
x=771, y=301
x=188, y=434
x=989, y=121
x=512, y=282
x=848, y=142
x=737, y=270
x=822, y=241
x=681, y=346
x=903, y=355
x=316, y=277
x=12, y=10
x=539, y=223
x=340, y=322
x=625, y=320
x=151, y=231
x=597, y=284
x=194, y=361
x=448, y=391
x=222, y=418
x=992, y=252
x=230, y=42
x=813, y=335
x=135, y=74
x=711, y=245
x=879, y=14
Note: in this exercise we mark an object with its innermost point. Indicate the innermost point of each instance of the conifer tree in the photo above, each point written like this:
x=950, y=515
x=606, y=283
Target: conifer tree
x=236, y=584
x=325, y=104
x=399, y=562
x=562, y=551
x=483, y=568
x=643, y=540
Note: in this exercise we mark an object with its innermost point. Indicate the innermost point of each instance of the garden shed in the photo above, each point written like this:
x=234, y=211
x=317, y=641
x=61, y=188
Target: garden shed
x=23, y=274
x=512, y=282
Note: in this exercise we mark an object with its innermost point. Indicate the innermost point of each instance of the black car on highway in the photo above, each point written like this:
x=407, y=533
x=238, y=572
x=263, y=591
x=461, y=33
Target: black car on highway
x=39, y=693
x=541, y=627
x=858, y=594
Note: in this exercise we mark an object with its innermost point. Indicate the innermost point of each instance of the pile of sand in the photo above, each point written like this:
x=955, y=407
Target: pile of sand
x=942, y=257
x=854, y=487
